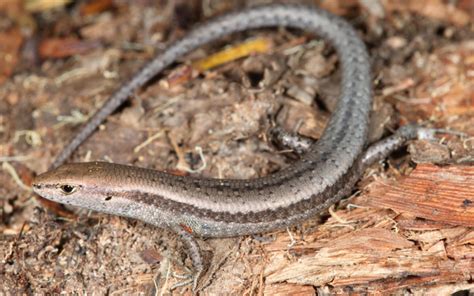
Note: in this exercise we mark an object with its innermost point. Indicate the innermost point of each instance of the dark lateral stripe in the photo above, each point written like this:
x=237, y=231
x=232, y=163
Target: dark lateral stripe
x=343, y=184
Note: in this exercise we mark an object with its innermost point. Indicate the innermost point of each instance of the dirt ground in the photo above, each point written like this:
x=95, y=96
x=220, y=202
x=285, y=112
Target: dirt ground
x=407, y=229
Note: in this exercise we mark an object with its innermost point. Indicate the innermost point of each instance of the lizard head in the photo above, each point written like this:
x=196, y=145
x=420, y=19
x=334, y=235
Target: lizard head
x=78, y=184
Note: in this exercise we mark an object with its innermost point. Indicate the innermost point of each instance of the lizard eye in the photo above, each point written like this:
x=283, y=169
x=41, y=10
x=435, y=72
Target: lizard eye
x=67, y=189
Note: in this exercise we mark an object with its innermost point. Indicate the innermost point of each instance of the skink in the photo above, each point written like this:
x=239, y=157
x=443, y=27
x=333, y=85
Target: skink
x=229, y=207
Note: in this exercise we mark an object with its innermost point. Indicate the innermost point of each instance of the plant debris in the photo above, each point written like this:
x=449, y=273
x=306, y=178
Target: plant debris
x=407, y=229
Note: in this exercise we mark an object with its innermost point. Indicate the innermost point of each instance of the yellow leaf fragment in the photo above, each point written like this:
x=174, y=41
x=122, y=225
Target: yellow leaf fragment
x=257, y=45
x=44, y=5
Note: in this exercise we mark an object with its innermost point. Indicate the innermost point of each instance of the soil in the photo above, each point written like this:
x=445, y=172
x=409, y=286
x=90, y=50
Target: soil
x=61, y=63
